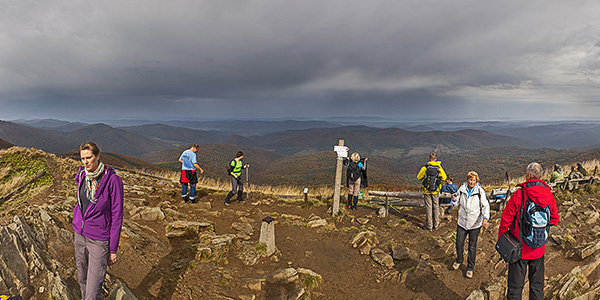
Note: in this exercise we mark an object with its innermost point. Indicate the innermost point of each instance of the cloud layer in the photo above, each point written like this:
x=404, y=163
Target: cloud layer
x=400, y=59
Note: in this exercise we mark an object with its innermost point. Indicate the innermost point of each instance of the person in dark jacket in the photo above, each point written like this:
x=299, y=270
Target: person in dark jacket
x=354, y=179
x=97, y=220
x=582, y=170
x=533, y=259
x=449, y=188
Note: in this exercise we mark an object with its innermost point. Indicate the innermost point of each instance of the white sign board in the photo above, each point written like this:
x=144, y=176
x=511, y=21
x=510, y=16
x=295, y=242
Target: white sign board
x=342, y=151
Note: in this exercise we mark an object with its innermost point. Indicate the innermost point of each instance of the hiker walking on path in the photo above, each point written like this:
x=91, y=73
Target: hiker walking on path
x=533, y=201
x=432, y=176
x=189, y=165
x=234, y=169
x=355, y=179
x=473, y=214
x=100, y=207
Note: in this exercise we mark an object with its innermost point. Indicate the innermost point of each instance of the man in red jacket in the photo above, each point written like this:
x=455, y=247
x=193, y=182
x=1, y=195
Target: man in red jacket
x=539, y=192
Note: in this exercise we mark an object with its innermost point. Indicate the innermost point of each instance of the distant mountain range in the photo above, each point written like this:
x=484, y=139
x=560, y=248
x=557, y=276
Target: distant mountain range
x=300, y=154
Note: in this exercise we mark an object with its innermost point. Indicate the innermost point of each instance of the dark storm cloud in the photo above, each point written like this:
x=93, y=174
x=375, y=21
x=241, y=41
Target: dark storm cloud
x=297, y=58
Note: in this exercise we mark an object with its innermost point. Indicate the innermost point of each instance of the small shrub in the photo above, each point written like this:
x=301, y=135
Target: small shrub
x=261, y=248
x=311, y=282
x=568, y=241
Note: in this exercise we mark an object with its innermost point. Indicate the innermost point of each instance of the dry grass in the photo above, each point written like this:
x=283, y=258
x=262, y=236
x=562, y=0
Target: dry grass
x=264, y=189
x=12, y=184
x=589, y=165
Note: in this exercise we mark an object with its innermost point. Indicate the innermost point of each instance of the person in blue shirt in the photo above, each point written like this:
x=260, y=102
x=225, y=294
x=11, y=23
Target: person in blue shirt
x=449, y=188
x=189, y=165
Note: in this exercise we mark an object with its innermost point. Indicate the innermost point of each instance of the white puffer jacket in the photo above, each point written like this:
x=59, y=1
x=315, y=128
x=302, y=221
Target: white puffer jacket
x=472, y=208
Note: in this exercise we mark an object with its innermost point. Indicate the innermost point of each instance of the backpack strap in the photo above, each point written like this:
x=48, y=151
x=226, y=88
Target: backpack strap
x=521, y=216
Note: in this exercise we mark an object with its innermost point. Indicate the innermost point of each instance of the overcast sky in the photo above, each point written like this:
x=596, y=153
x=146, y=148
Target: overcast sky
x=150, y=59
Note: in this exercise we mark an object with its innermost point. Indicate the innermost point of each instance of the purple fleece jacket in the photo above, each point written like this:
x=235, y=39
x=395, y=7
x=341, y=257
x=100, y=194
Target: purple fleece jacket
x=102, y=221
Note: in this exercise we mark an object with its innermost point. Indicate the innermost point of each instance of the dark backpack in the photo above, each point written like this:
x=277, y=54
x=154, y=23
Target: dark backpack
x=230, y=167
x=535, y=224
x=353, y=171
x=432, y=181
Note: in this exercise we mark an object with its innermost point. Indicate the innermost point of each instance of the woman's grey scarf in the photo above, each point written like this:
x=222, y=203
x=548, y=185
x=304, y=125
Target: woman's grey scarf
x=91, y=182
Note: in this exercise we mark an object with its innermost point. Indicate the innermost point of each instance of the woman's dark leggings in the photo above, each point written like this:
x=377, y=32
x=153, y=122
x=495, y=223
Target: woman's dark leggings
x=461, y=235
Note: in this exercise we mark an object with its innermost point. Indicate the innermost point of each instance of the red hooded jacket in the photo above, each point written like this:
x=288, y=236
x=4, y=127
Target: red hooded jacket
x=538, y=191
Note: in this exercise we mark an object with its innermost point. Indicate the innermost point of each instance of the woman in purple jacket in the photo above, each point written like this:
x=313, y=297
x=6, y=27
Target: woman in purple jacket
x=97, y=220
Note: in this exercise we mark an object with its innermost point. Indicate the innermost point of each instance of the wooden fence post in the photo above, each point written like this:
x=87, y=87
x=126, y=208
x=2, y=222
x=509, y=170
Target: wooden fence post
x=337, y=187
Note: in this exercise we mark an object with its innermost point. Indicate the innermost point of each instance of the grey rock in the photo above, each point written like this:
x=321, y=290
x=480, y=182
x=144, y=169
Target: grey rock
x=292, y=217
x=592, y=217
x=362, y=221
x=382, y=258
x=308, y=272
x=382, y=212
x=147, y=214
x=296, y=294
x=495, y=291
x=243, y=227
x=317, y=223
x=119, y=291
x=359, y=239
x=588, y=250
x=400, y=253
x=283, y=276
x=222, y=240
x=248, y=255
x=181, y=228
x=58, y=287
x=255, y=284
x=366, y=249
x=13, y=260
x=204, y=205
x=393, y=222
x=476, y=295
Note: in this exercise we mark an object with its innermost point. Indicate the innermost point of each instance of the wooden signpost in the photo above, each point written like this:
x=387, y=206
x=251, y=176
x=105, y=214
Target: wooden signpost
x=342, y=152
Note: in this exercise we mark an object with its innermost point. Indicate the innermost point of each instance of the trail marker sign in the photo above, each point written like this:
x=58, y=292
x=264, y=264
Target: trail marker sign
x=342, y=151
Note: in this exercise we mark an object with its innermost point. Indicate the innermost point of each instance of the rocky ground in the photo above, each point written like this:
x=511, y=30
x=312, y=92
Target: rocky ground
x=175, y=250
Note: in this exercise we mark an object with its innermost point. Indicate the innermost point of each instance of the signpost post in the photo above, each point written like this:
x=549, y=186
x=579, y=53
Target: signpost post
x=342, y=152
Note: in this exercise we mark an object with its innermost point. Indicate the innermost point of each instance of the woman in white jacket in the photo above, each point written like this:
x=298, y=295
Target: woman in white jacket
x=473, y=213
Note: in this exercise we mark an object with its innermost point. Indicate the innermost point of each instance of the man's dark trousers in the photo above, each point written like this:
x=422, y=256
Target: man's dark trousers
x=516, y=279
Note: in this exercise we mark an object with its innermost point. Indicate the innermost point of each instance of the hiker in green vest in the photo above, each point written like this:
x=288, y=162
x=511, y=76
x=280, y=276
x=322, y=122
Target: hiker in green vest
x=557, y=174
x=234, y=169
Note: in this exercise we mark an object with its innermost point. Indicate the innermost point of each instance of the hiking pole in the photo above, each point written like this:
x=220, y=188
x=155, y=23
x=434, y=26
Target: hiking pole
x=248, y=184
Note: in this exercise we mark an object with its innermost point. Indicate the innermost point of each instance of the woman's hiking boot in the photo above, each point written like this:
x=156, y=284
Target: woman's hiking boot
x=349, y=202
x=354, y=202
x=239, y=196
